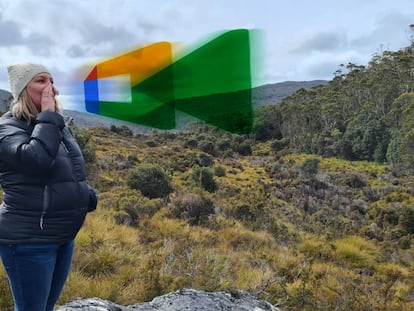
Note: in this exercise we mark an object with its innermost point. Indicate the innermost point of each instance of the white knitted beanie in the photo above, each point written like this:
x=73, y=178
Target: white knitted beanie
x=21, y=74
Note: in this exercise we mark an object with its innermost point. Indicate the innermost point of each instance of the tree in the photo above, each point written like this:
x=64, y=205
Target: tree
x=365, y=138
x=151, y=180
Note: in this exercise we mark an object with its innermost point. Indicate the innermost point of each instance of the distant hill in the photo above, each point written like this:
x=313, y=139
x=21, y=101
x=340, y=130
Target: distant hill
x=83, y=119
x=273, y=93
x=261, y=96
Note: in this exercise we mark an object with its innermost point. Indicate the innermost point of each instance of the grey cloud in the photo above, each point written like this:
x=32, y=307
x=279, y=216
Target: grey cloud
x=100, y=39
x=385, y=33
x=76, y=51
x=75, y=27
x=39, y=44
x=325, y=41
x=148, y=27
x=10, y=33
x=324, y=69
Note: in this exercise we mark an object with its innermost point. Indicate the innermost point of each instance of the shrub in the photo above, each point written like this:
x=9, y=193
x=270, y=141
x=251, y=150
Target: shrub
x=355, y=181
x=207, y=146
x=309, y=168
x=280, y=144
x=224, y=144
x=134, y=207
x=407, y=219
x=204, y=177
x=204, y=159
x=151, y=180
x=244, y=148
x=356, y=251
x=191, y=207
x=151, y=143
x=83, y=137
x=219, y=171
x=122, y=130
x=191, y=143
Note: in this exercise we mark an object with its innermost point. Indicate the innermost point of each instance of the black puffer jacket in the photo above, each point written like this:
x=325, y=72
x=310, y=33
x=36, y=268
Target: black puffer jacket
x=42, y=173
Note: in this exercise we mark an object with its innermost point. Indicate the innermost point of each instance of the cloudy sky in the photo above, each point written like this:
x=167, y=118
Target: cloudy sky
x=303, y=40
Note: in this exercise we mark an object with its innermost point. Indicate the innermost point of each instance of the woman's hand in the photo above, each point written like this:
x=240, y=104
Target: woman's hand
x=48, y=98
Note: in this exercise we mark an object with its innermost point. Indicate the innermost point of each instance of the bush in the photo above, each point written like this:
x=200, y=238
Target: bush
x=224, y=144
x=134, y=207
x=191, y=143
x=219, y=171
x=205, y=159
x=204, y=177
x=355, y=181
x=122, y=130
x=309, y=168
x=151, y=143
x=191, y=207
x=207, y=147
x=82, y=137
x=407, y=219
x=280, y=144
x=244, y=148
x=151, y=180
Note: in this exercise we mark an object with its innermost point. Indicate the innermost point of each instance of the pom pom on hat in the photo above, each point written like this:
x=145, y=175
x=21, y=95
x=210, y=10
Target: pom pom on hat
x=21, y=74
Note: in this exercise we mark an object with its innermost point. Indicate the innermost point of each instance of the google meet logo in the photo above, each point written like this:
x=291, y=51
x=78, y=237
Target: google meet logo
x=148, y=85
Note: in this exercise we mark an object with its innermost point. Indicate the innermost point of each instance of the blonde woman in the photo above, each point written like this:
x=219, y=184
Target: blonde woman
x=45, y=192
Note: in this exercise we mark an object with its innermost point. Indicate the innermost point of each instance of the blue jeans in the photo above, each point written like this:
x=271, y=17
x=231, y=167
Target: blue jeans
x=37, y=273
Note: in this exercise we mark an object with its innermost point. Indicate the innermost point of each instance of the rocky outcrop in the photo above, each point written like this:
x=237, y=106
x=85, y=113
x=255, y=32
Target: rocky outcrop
x=5, y=100
x=185, y=299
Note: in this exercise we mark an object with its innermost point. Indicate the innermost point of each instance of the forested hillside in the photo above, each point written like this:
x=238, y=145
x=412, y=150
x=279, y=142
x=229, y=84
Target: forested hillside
x=312, y=211
x=364, y=113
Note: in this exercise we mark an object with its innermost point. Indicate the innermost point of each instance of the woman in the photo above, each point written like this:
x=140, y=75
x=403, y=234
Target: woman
x=45, y=192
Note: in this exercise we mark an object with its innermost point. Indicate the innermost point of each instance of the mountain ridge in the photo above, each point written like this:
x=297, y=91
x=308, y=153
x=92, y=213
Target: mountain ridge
x=263, y=95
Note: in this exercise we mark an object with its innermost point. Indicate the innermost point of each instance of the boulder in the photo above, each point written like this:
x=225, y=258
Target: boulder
x=184, y=299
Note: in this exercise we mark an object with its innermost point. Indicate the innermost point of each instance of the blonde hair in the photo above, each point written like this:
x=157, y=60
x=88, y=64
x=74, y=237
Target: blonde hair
x=24, y=108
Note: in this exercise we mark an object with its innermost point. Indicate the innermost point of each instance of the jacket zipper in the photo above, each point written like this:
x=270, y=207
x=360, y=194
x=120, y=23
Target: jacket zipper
x=45, y=205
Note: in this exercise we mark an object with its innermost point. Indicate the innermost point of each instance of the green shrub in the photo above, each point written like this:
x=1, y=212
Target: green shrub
x=207, y=147
x=407, y=219
x=224, y=144
x=309, y=168
x=191, y=143
x=204, y=177
x=194, y=208
x=355, y=181
x=122, y=130
x=280, y=144
x=205, y=159
x=244, y=148
x=151, y=143
x=83, y=137
x=219, y=171
x=151, y=180
x=135, y=207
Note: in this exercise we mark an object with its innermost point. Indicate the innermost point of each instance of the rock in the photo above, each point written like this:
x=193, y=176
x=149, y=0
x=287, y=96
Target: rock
x=5, y=100
x=92, y=304
x=184, y=299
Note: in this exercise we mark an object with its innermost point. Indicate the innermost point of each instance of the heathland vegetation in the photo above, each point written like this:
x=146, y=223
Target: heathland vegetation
x=312, y=211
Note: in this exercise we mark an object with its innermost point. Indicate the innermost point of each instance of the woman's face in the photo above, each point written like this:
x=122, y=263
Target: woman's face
x=36, y=85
